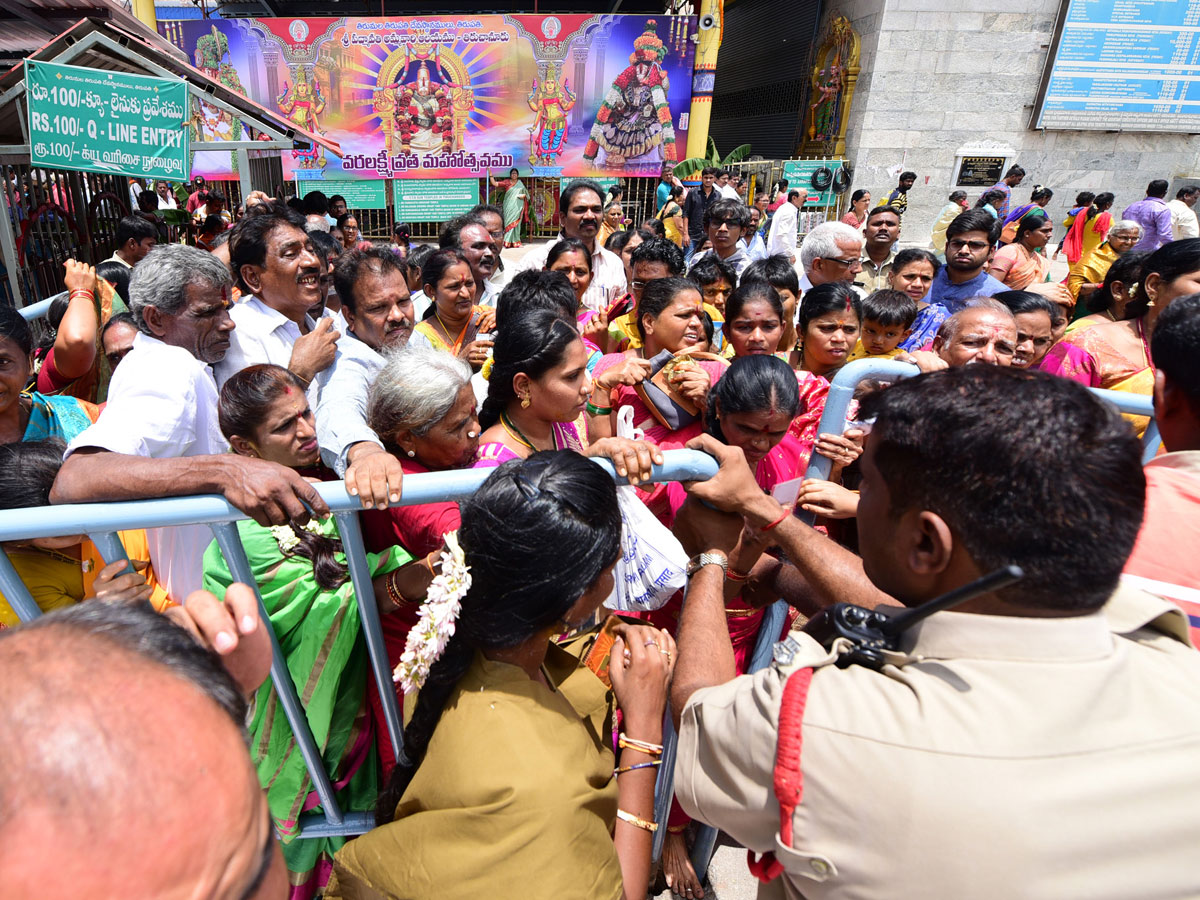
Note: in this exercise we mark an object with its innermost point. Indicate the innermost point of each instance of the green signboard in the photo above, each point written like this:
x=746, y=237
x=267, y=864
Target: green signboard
x=434, y=200
x=605, y=183
x=358, y=194
x=799, y=173
x=93, y=120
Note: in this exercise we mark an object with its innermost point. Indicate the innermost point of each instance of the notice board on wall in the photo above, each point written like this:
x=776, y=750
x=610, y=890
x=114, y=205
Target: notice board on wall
x=1123, y=65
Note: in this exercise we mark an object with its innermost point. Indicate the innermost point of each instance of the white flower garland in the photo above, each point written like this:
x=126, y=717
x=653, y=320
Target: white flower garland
x=287, y=539
x=439, y=612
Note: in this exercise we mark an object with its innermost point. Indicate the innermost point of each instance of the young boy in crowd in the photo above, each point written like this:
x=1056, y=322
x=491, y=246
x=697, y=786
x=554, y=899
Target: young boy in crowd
x=887, y=318
x=209, y=230
x=716, y=282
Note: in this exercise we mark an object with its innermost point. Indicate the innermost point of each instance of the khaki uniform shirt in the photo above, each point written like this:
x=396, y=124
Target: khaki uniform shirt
x=998, y=758
x=875, y=277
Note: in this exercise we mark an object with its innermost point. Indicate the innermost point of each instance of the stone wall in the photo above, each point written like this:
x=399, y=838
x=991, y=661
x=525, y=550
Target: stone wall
x=936, y=77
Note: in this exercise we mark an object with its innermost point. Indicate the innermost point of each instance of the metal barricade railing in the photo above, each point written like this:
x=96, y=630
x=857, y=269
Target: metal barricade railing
x=101, y=522
x=833, y=421
x=39, y=310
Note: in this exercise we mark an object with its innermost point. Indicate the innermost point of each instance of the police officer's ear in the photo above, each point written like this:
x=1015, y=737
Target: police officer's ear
x=927, y=543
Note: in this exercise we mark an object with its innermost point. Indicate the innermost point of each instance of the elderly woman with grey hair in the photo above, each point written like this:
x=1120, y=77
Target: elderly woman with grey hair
x=1087, y=274
x=423, y=409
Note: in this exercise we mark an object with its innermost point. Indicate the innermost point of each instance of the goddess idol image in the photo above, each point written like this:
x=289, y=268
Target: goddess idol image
x=633, y=125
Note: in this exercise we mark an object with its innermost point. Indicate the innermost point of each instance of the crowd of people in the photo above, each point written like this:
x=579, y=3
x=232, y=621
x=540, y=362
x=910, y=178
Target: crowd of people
x=292, y=351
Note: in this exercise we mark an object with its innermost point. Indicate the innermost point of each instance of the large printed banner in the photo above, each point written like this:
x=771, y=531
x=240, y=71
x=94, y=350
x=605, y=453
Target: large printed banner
x=455, y=97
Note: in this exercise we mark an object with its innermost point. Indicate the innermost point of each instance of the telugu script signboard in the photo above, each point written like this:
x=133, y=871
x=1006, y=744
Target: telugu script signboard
x=358, y=194
x=92, y=120
x=1123, y=65
x=434, y=200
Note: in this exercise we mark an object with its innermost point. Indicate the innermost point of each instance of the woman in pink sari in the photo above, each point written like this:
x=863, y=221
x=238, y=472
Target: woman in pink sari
x=1023, y=262
x=537, y=398
x=671, y=324
x=1116, y=355
x=751, y=407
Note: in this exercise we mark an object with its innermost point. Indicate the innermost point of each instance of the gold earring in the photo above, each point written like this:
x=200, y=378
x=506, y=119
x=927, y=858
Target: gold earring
x=526, y=402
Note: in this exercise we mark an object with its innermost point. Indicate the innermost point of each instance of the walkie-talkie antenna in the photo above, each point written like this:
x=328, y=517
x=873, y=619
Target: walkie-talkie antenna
x=993, y=581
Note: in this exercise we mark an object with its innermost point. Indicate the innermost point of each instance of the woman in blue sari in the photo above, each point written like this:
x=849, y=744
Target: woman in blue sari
x=25, y=414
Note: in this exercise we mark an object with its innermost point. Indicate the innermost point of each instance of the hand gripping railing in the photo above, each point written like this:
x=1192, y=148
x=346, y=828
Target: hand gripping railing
x=833, y=421
x=101, y=521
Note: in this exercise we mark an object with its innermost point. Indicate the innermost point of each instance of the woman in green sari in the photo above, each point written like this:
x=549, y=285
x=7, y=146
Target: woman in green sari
x=302, y=576
x=516, y=200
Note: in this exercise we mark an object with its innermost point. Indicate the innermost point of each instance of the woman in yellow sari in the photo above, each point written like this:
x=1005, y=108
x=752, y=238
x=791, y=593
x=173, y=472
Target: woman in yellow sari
x=1116, y=355
x=62, y=571
x=1023, y=262
x=511, y=782
x=1087, y=274
x=453, y=323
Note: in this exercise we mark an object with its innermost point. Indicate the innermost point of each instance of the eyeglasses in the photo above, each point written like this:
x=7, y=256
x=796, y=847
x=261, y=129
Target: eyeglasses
x=848, y=263
x=976, y=246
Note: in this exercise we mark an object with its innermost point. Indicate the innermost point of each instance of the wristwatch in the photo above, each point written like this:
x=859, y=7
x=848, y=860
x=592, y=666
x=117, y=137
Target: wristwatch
x=696, y=563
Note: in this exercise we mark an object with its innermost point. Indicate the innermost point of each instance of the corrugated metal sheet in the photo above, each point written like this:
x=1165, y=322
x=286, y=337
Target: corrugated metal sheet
x=762, y=75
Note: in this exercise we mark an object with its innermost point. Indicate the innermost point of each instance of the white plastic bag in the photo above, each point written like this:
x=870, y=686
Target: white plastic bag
x=653, y=563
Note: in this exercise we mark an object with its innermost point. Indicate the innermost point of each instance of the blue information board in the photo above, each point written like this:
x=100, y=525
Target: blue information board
x=1124, y=65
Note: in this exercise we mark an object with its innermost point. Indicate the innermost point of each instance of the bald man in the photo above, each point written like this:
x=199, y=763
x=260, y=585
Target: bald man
x=983, y=331
x=125, y=769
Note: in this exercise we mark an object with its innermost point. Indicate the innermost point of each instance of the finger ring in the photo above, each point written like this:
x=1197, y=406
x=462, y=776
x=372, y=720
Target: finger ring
x=666, y=653
x=650, y=642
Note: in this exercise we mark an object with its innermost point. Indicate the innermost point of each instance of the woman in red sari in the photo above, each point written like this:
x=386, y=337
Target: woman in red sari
x=751, y=407
x=423, y=409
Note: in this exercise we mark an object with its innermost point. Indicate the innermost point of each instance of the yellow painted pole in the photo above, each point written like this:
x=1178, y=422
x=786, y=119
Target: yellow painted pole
x=712, y=23
x=144, y=10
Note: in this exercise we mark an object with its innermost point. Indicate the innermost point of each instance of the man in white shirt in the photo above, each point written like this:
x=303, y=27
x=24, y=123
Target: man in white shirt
x=158, y=435
x=727, y=190
x=580, y=207
x=272, y=257
x=379, y=315
x=831, y=252
x=470, y=234
x=1183, y=213
x=136, y=237
x=785, y=225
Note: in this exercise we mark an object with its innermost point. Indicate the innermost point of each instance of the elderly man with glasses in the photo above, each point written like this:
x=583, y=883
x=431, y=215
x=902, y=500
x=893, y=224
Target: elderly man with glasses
x=831, y=252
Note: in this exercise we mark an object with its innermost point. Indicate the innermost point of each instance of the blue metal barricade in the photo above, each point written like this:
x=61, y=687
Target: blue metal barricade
x=101, y=521
x=39, y=310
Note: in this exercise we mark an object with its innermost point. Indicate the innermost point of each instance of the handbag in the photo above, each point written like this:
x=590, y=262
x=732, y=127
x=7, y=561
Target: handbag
x=652, y=566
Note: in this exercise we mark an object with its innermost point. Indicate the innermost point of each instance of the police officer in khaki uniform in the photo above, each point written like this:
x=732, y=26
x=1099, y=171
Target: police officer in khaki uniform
x=1034, y=742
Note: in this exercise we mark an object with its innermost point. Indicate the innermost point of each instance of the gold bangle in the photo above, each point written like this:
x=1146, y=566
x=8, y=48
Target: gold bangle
x=637, y=821
x=393, y=592
x=628, y=743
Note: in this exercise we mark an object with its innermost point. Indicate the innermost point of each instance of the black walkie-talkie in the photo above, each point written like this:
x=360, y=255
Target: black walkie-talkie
x=872, y=631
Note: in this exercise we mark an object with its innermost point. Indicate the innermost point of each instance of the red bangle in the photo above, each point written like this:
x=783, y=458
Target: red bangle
x=786, y=513
x=734, y=575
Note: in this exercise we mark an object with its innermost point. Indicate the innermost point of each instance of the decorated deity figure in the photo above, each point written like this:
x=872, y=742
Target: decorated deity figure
x=423, y=115
x=303, y=104
x=210, y=122
x=824, y=110
x=551, y=101
x=633, y=125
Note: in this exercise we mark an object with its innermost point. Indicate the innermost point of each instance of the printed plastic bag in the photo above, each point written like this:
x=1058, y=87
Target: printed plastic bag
x=653, y=563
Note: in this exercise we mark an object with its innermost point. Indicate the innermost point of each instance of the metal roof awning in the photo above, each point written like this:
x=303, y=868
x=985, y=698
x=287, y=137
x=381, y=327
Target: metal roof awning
x=98, y=44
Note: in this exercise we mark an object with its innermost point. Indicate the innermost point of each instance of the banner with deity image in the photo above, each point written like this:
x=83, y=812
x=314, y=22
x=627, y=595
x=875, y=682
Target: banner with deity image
x=454, y=97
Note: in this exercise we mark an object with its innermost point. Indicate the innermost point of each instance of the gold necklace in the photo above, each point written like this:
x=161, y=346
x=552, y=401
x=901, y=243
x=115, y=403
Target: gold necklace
x=517, y=435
